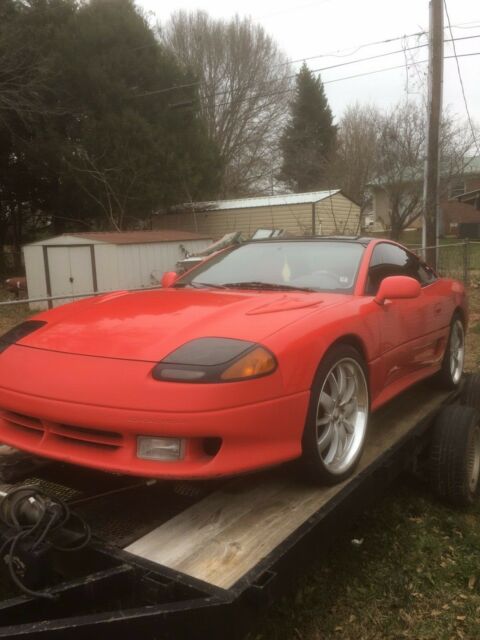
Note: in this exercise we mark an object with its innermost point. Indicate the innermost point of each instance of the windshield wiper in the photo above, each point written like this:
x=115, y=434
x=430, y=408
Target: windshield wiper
x=204, y=285
x=252, y=284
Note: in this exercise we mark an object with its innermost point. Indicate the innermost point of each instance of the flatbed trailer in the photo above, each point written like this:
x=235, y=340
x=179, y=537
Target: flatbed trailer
x=202, y=560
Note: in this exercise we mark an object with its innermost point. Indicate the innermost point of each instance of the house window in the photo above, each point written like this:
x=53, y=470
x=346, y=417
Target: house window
x=457, y=188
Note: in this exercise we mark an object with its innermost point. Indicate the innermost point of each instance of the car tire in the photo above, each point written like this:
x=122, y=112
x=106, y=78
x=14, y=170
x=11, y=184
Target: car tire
x=450, y=374
x=334, y=434
x=454, y=455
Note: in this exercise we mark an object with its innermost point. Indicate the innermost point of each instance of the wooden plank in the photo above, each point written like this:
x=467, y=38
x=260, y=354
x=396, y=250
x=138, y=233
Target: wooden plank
x=219, y=539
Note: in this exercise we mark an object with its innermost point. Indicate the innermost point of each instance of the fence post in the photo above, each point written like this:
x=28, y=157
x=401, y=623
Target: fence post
x=465, y=261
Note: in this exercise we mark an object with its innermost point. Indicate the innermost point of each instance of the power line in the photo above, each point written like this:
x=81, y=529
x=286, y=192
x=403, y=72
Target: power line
x=388, y=53
x=341, y=79
x=334, y=66
x=167, y=89
x=367, y=59
x=461, y=79
x=464, y=25
x=321, y=55
x=339, y=52
x=318, y=70
x=400, y=66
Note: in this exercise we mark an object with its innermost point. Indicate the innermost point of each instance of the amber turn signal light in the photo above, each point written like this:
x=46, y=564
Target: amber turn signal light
x=258, y=362
x=207, y=360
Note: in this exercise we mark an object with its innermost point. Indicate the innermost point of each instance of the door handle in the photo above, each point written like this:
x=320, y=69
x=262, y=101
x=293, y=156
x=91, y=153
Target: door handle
x=438, y=309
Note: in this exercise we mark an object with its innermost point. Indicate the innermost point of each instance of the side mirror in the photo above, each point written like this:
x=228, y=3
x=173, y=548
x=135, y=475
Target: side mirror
x=396, y=287
x=169, y=278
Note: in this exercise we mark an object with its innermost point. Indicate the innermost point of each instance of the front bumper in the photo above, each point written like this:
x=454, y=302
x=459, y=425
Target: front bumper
x=43, y=414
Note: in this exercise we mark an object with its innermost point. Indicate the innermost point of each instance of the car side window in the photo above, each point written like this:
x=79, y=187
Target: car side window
x=390, y=260
x=426, y=274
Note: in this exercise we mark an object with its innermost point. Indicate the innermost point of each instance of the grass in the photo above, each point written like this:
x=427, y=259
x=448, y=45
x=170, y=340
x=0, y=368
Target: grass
x=10, y=315
x=415, y=573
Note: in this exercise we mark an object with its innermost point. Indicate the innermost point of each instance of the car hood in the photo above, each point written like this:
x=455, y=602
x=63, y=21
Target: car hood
x=148, y=325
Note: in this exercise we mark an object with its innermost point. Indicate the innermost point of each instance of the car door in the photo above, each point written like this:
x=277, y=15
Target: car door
x=70, y=271
x=405, y=344
x=438, y=307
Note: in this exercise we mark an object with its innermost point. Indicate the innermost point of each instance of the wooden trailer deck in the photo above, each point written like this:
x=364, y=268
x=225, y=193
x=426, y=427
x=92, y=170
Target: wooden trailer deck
x=225, y=535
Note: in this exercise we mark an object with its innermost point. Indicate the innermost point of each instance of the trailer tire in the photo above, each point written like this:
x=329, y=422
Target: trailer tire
x=337, y=418
x=470, y=393
x=454, y=456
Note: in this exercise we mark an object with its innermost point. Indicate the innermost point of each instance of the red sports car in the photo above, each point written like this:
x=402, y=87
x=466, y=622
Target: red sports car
x=266, y=352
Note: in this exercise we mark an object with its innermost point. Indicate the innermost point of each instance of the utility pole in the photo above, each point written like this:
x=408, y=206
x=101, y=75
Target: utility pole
x=431, y=185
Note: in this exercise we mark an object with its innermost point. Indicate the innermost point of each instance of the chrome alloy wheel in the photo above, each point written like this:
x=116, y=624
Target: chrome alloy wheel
x=342, y=415
x=457, y=350
x=473, y=461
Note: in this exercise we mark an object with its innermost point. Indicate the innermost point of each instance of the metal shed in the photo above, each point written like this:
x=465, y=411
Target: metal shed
x=78, y=263
x=314, y=212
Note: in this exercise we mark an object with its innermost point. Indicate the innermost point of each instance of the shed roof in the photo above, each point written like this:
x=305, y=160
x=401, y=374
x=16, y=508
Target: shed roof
x=262, y=201
x=140, y=237
x=131, y=237
x=470, y=197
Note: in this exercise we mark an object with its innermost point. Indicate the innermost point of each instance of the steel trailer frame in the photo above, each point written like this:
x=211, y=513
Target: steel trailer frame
x=124, y=595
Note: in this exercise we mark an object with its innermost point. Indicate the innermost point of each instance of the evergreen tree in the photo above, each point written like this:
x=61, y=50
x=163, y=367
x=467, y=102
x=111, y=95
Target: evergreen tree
x=90, y=138
x=137, y=153
x=309, y=138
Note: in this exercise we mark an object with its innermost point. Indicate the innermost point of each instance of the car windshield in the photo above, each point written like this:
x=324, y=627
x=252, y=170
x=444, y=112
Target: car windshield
x=296, y=265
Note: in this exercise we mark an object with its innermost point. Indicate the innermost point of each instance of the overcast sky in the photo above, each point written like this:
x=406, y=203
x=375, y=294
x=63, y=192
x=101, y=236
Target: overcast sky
x=304, y=29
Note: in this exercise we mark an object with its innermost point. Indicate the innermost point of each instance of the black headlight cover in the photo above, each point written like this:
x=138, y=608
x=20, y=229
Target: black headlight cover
x=20, y=331
x=202, y=360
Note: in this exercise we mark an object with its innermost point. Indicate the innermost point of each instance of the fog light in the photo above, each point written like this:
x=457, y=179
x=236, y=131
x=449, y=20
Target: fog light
x=163, y=449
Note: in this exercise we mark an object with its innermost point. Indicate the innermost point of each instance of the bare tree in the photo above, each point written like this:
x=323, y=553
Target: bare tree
x=244, y=91
x=355, y=162
x=401, y=154
x=382, y=153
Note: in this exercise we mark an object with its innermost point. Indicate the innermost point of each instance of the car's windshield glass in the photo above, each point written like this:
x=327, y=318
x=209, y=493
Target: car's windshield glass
x=310, y=265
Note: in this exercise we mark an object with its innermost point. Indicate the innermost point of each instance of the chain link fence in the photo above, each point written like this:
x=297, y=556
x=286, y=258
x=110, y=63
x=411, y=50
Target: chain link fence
x=460, y=260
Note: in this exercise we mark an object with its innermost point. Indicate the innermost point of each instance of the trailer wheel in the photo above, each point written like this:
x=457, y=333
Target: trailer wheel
x=470, y=393
x=337, y=417
x=454, y=457
x=451, y=371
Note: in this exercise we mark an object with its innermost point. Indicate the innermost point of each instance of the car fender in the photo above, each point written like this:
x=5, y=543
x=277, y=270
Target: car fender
x=300, y=348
